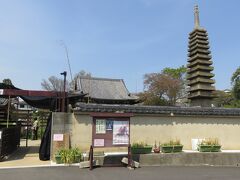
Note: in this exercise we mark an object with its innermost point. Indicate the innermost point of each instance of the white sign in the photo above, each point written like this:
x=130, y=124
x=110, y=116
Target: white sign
x=1, y=91
x=0, y=134
x=57, y=137
x=100, y=126
x=120, y=132
x=98, y=142
x=195, y=143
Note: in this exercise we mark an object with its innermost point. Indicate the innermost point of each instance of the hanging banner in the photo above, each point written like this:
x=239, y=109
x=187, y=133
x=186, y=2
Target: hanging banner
x=120, y=132
x=100, y=126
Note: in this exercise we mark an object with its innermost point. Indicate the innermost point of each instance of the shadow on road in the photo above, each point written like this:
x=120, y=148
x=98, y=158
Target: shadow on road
x=22, y=152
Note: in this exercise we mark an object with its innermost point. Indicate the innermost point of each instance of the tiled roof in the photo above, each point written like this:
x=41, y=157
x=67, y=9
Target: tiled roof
x=3, y=101
x=102, y=88
x=161, y=110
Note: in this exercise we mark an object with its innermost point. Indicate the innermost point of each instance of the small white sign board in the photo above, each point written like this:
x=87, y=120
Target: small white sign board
x=0, y=134
x=1, y=91
x=195, y=143
x=98, y=142
x=57, y=137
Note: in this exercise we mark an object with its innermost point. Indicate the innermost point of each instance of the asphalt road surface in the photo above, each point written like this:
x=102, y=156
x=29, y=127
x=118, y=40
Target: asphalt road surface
x=117, y=173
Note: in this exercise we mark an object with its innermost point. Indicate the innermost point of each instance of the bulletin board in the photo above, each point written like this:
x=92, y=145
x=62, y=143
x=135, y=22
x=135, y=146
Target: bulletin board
x=111, y=132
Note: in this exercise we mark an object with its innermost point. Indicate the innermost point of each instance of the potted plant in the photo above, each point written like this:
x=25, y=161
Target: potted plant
x=177, y=146
x=68, y=156
x=216, y=147
x=156, y=149
x=205, y=146
x=141, y=148
x=209, y=145
x=172, y=146
x=64, y=156
x=76, y=155
x=58, y=157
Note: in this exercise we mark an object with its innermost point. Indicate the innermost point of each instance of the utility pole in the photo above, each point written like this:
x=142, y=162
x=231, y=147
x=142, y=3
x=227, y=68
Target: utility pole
x=8, y=110
x=62, y=43
x=64, y=91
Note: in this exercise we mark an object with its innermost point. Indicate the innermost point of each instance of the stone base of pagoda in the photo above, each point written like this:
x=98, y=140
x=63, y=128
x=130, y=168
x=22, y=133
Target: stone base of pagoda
x=201, y=102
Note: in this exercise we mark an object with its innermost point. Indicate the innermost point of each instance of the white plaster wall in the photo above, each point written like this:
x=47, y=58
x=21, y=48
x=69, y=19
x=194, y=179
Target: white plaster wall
x=148, y=129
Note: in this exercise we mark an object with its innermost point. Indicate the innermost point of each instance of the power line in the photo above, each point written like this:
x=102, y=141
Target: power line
x=68, y=61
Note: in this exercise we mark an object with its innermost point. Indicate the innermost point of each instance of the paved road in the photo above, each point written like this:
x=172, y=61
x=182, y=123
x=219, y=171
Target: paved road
x=145, y=173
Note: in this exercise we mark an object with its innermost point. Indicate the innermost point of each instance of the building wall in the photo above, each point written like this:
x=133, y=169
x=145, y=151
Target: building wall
x=78, y=129
x=148, y=129
x=81, y=132
x=61, y=124
x=161, y=129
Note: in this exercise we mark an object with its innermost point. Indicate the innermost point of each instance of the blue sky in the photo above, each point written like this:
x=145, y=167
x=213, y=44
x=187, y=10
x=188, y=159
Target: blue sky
x=114, y=39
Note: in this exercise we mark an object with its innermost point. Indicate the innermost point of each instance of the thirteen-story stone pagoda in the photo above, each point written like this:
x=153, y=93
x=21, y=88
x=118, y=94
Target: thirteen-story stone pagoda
x=199, y=66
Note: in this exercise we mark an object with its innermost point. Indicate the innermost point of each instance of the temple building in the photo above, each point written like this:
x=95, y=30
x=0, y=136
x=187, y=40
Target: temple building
x=105, y=91
x=199, y=66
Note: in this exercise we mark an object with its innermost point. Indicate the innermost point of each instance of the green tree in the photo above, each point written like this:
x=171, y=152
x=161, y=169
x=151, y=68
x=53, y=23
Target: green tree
x=7, y=81
x=235, y=80
x=177, y=73
x=223, y=99
x=164, y=88
x=150, y=99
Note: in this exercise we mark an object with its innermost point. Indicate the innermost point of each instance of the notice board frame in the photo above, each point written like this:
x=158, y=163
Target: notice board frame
x=108, y=136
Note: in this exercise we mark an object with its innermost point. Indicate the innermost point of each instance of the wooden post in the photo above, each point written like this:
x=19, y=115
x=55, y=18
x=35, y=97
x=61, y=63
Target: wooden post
x=41, y=126
x=91, y=157
x=129, y=156
x=27, y=129
x=60, y=102
x=8, y=111
x=64, y=91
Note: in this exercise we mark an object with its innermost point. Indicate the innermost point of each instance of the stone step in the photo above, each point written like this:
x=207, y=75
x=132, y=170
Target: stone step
x=134, y=164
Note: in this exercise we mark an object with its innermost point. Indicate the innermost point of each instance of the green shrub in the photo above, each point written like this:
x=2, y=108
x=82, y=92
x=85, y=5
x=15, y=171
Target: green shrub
x=176, y=142
x=69, y=156
x=139, y=145
x=76, y=154
x=210, y=142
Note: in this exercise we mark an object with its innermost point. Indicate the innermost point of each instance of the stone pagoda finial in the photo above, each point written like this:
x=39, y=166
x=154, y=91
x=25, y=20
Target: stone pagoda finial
x=196, y=17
